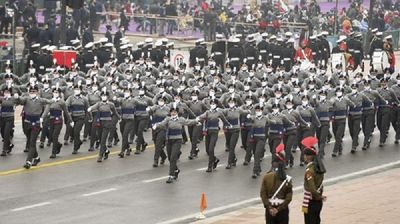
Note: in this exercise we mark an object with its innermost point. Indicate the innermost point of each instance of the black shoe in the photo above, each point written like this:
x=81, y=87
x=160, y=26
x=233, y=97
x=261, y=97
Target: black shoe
x=41, y=145
x=106, y=154
x=245, y=163
x=144, y=147
x=109, y=145
x=340, y=153
x=36, y=161
x=396, y=141
x=75, y=152
x=177, y=171
x=170, y=180
x=155, y=164
x=27, y=165
x=128, y=152
x=209, y=170
x=48, y=144
x=53, y=156
x=137, y=152
x=3, y=153
x=254, y=176
x=226, y=150
x=353, y=151
x=191, y=157
x=71, y=140
x=364, y=148
x=11, y=148
x=121, y=155
x=66, y=143
x=84, y=139
x=97, y=145
x=162, y=162
x=58, y=149
x=91, y=149
x=291, y=163
x=215, y=164
x=301, y=163
x=228, y=167
x=100, y=159
x=334, y=155
x=381, y=144
x=26, y=150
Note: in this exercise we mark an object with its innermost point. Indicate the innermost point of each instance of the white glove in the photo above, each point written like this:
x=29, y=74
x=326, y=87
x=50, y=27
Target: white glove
x=230, y=126
x=154, y=127
x=314, y=96
x=114, y=97
x=147, y=109
x=16, y=95
x=248, y=116
x=308, y=125
x=72, y=124
x=89, y=109
x=41, y=121
x=197, y=119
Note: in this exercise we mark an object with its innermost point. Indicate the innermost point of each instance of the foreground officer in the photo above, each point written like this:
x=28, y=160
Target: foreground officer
x=276, y=190
x=313, y=187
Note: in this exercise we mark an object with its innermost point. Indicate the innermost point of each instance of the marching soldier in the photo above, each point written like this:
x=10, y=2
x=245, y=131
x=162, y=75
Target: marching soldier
x=358, y=53
x=57, y=110
x=276, y=190
x=251, y=52
x=33, y=108
x=8, y=102
x=106, y=110
x=173, y=126
x=376, y=44
x=194, y=53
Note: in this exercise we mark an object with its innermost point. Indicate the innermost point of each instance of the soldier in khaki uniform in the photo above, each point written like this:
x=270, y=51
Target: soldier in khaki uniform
x=313, y=187
x=276, y=190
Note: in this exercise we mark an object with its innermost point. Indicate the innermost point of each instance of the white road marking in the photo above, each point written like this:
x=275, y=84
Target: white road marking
x=31, y=206
x=296, y=189
x=99, y=192
x=205, y=168
x=155, y=179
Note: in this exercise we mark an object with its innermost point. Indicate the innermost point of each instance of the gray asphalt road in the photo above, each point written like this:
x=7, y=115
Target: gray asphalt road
x=76, y=189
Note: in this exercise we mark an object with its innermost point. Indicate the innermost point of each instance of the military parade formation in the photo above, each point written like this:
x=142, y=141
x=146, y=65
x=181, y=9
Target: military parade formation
x=259, y=89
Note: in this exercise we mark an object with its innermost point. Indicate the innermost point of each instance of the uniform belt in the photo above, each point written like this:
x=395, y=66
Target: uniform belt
x=201, y=59
x=32, y=118
x=217, y=53
x=275, y=201
x=355, y=109
x=277, y=56
x=105, y=114
x=323, y=114
x=341, y=113
x=77, y=108
x=172, y=132
x=258, y=131
x=234, y=59
x=250, y=58
x=212, y=124
x=55, y=113
x=156, y=119
x=128, y=111
x=313, y=53
x=286, y=59
x=233, y=121
x=351, y=50
x=141, y=108
x=263, y=51
x=7, y=109
x=357, y=51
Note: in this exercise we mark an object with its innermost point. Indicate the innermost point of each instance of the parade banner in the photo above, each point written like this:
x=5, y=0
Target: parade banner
x=178, y=57
x=64, y=58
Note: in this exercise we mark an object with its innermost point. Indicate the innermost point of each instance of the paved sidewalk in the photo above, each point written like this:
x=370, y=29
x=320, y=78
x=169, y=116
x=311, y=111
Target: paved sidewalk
x=367, y=200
